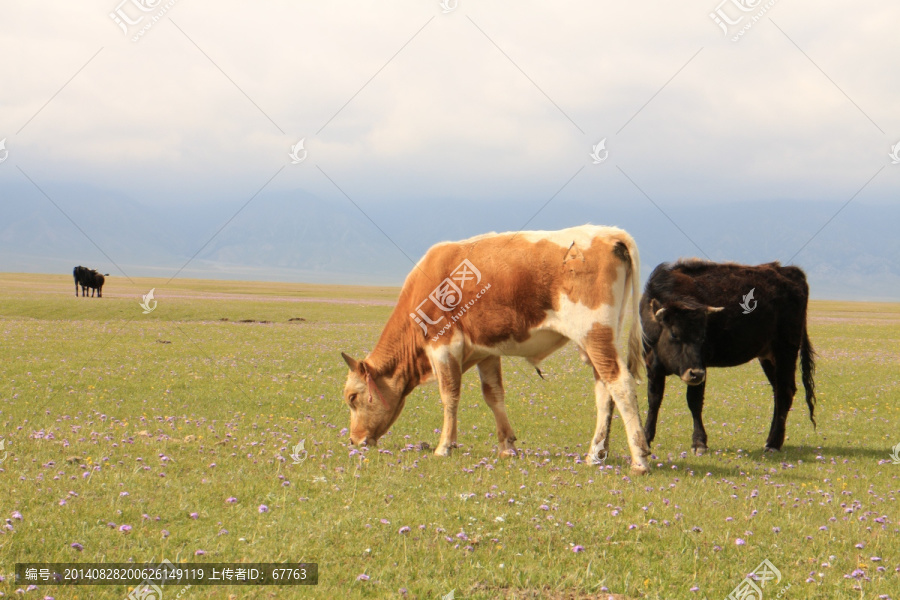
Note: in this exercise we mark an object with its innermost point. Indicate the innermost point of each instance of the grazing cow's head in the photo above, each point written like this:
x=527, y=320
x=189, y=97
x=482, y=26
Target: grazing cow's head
x=374, y=404
x=681, y=338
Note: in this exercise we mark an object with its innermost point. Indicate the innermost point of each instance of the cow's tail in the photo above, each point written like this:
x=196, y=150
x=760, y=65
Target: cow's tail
x=808, y=369
x=635, y=337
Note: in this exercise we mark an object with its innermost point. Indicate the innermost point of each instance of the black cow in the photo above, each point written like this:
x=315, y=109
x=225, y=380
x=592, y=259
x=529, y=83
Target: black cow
x=97, y=281
x=88, y=278
x=80, y=273
x=698, y=314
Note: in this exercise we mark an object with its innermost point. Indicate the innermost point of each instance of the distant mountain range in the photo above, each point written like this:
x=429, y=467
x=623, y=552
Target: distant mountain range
x=295, y=236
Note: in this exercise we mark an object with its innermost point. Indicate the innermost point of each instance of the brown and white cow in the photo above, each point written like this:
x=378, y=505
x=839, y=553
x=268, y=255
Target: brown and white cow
x=525, y=294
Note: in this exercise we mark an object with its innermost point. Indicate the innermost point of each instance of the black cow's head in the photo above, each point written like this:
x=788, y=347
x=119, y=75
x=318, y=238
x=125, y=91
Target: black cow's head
x=681, y=337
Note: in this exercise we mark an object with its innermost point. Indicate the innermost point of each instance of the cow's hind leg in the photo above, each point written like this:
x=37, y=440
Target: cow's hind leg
x=600, y=443
x=611, y=370
x=695, y=403
x=781, y=375
x=492, y=389
x=449, y=376
x=768, y=366
x=656, y=388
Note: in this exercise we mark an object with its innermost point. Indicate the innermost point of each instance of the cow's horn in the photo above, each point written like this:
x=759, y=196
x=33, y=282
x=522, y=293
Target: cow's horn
x=714, y=309
x=351, y=362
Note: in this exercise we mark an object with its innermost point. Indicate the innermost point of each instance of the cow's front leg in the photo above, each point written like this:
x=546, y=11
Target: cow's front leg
x=492, y=390
x=695, y=403
x=449, y=376
x=656, y=388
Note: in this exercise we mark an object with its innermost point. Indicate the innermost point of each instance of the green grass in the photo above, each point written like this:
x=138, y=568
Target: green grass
x=89, y=387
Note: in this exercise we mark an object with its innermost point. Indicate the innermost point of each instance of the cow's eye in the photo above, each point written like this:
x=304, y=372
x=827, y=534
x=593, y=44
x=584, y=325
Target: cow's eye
x=352, y=398
x=675, y=338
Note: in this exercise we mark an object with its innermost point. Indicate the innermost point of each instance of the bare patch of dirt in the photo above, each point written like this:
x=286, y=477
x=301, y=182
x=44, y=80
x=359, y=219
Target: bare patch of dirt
x=549, y=594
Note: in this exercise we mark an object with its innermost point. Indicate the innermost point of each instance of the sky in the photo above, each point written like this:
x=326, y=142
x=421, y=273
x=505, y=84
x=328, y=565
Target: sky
x=411, y=112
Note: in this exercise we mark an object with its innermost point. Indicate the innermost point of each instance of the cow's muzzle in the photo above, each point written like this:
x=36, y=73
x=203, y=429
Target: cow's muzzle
x=368, y=441
x=694, y=376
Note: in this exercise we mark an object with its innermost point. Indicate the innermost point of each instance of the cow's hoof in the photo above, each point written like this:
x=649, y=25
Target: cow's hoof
x=771, y=449
x=597, y=455
x=699, y=450
x=442, y=451
x=508, y=453
x=638, y=469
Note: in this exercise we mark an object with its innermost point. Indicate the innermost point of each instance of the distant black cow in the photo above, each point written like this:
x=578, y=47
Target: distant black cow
x=698, y=314
x=80, y=274
x=88, y=278
x=97, y=281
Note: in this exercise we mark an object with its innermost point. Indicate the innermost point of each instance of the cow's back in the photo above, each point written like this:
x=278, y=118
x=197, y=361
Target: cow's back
x=777, y=306
x=719, y=284
x=528, y=274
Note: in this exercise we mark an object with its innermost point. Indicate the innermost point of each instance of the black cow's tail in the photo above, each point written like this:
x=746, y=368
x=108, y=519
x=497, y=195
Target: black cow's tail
x=808, y=369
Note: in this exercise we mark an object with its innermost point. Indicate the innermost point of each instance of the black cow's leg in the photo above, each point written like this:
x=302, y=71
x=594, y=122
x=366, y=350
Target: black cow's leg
x=656, y=387
x=785, y=387
x=768, y=366
x=695, y=403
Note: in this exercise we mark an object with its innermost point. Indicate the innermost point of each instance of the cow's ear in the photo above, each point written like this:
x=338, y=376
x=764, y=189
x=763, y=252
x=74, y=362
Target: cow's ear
x=714, y=309
x=657, y=310
x=351, y=362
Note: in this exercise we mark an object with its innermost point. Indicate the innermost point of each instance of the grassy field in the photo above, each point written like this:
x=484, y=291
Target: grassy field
x=179, y=424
